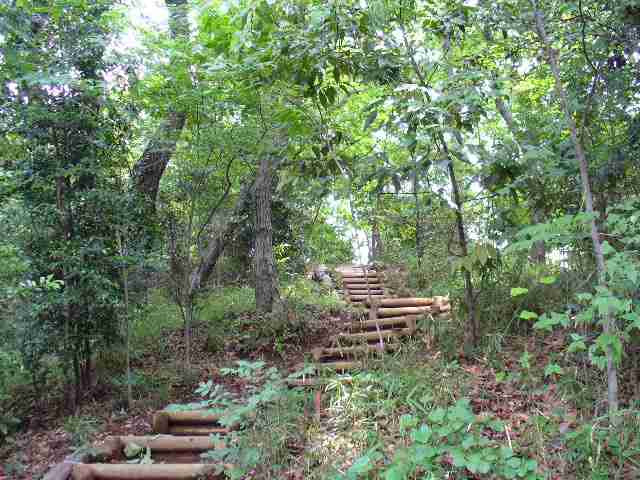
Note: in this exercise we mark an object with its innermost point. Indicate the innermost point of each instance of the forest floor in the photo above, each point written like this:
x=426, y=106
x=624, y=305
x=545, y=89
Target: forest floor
x=539, y=411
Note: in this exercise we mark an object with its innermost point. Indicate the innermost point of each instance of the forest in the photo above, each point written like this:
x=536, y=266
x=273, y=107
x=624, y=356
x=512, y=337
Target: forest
x=341, y=239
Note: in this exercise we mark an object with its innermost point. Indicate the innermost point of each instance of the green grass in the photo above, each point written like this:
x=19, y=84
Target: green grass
x=148, y=325
x=225, y=302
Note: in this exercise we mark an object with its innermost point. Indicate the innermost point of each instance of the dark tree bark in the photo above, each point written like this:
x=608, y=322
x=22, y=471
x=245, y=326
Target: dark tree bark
x=376, y=241
x=150, y=167
x=266, y=275
x=156, y=156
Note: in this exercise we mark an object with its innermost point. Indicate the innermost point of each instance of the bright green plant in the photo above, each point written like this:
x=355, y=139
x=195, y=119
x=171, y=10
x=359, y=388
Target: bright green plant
x=448, y=441
x=269, y=417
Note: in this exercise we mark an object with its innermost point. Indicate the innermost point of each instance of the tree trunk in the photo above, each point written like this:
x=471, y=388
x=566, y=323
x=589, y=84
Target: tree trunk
x=464, y=249
x=266, y=278
x=419, y=229
x=155, y=158
x=188, y=320
x=609, y=326
x=376, y=242
x=538, y=251
x=127, y=326
x=150, y=167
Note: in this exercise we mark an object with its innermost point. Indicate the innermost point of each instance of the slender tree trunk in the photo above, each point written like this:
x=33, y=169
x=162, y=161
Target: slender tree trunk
x=419, y=227
x=419, y=240
x=266, y=277
x=127, y=326
x=538, y=252
x=188, y=320
x=609, y=326
x=376, y=243
x=464, y=248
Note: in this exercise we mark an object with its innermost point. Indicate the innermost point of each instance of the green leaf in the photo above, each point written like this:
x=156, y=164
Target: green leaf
x=422, y=435
x=132, y=450
x=550, y=280
x=458, y=457
x=527, y=315
x=477, y=464
x=553, y=369
x=361, y=466
x=437, y=416
x=518, y=291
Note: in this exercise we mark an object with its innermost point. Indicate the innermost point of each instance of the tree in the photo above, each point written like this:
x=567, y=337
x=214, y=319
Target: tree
x=266, y=274
x=74, y=137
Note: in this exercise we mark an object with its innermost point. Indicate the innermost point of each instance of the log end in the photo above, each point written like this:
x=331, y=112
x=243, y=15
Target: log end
x=161, y=422
x=82, y=472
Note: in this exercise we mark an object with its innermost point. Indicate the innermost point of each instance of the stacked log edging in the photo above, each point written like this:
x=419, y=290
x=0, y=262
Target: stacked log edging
x=387, y=320
x=180, y=438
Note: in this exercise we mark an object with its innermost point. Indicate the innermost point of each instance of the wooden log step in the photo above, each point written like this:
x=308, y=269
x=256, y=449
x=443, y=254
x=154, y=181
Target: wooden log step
x=372, y=336
x=407, y=321
x=348, y=352
x=364, y=297
x=193, y=417
x=360, y=281
x=190, y=430
x=406, y=302
x=184, y=422
x=400, y=311
x=160, y=444
x=340, y=365
x=347, y=276
x=363, y=286
x=366, y=292
x=103, y=471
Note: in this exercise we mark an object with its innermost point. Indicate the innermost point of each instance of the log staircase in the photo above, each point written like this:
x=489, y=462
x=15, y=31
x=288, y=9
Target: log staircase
x=180, y=437
x=177, y=441
x=385, y=320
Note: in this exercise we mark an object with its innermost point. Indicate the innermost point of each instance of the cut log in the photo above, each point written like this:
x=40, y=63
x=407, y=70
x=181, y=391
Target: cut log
x=188, y=430
x=399, y=311
x=346, y=365
x=102, y=471
x=193, y=417
x=353, y=351
x=404, y=321
x=166, y=443
x=360, y=281
x=372, y=336
x=378, y=291
x=406, y=302
x=164, y=421
x=363, y=286
x=364, y=297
